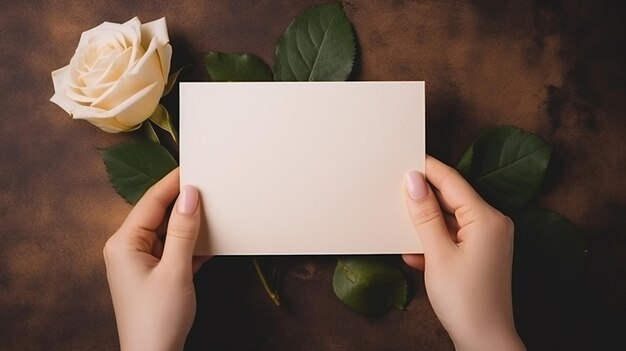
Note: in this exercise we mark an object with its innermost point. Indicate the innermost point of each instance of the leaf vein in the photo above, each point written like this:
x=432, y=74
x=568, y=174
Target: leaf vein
x=321, y=46
x=500, y=169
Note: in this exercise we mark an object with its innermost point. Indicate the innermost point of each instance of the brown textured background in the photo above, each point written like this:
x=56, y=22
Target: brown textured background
x=552, y=67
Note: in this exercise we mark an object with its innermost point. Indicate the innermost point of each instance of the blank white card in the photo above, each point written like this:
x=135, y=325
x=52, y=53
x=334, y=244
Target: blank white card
x=302, y=168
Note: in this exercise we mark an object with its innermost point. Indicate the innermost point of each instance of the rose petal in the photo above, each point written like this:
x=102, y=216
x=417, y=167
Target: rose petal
x=146, y=72
x=79, y=97
x=96, y=117
x=158, y=29
x=90, y=78
x=133, y=38
x=165, y=56
x=155, y=29
x=116, y=68
x=110, y=125
x=148, y=56
x=59, y=80
x=135, y=22
x=59, y=77
x=86, y=112
x=131, y=29
x=136, y=53
x=63, y=102
x=137, y=108
x=95, y=91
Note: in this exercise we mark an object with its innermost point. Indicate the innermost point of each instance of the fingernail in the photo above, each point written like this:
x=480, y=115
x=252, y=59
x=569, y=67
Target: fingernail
x=416, y=185
x=188, y=200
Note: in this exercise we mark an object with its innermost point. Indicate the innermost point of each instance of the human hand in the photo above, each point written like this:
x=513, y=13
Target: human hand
x=150, y=268
x=468, y=250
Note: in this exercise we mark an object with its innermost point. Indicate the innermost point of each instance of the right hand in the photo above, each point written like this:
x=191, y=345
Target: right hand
x=467, y=260
x=151, y=275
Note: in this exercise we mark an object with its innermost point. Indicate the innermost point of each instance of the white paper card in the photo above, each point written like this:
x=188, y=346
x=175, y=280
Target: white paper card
x=302, y=168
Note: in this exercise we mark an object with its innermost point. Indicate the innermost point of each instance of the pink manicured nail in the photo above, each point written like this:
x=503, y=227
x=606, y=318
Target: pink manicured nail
x=188, y=200
x=416, y=185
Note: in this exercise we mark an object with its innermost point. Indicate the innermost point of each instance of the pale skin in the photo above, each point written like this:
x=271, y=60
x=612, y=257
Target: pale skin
x=468, y=255
x=468, y=247
x=151, y=281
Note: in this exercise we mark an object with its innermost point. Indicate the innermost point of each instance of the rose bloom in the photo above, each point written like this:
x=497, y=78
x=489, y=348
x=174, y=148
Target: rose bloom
x=117, y=75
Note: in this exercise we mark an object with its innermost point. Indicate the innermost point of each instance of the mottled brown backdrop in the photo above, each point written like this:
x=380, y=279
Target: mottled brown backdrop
x=552, y=67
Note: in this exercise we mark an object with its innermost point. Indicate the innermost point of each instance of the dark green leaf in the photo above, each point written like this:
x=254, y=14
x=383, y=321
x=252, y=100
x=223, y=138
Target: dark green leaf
x=134, y=167
x=318, y=45
x=171, y=81
x=236, y=67
x=465, y=165
x=549, y=244
x=507, y=166
x=162, y=118
x=370, y=285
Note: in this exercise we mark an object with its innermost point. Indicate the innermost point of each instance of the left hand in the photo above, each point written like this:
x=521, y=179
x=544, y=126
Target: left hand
x=150, y=273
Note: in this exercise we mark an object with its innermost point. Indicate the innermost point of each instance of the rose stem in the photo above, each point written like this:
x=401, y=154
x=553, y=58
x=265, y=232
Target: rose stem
x=268, y=289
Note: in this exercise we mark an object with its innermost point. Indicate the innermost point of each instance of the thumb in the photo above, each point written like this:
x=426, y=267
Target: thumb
x=182, y=229
x=426, y=216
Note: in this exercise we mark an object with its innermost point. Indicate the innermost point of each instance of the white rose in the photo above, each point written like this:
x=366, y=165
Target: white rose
x=117, y=75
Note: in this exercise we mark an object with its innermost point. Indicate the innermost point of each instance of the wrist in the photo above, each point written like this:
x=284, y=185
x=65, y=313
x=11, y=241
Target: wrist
x=141, y=345
x=142, y=341
x=505, y=338
x=489, y=340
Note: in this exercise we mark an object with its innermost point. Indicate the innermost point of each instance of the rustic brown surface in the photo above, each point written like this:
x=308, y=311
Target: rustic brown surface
x=553, y=68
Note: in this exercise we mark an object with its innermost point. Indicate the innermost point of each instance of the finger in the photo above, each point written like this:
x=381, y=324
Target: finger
x=157, y=248
x=452, y=225
x=182, y=230
x=456, y=195
x=162, y=229
x=445, y=207
x=415, y=261
x=449, y=218
x=426, y=215
x=149, y=212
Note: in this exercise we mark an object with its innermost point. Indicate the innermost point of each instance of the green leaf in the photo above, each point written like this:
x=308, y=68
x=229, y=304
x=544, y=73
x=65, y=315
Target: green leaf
x=318, y=45
x=134, y=167
x=236, y=67
x=548, y=244
x=162, y=118
x=465, y=165
x=507, y=166
x=150, y=132
x=171, y=81
x=370, y=285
